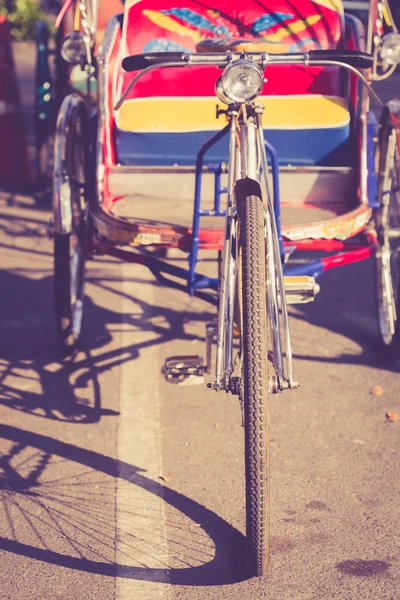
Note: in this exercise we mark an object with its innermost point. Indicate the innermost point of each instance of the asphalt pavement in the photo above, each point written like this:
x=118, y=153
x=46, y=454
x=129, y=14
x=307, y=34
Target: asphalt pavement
x=117, y=485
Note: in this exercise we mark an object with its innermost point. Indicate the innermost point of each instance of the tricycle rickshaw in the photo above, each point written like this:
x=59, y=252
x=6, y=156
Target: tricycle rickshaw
x=268, y=107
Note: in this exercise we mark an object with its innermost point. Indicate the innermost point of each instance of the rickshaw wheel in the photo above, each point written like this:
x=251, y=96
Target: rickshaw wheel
x=70, y=250
x=254, y=389
x=387, y=256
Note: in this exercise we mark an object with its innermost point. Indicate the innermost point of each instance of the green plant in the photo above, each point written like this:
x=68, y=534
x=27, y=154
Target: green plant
x=22, y=16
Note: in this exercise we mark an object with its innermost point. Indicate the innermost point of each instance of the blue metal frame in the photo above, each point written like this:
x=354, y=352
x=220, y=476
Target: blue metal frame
x=195, y=280
x=276, y=192
x=311, y=269
x=372, y=129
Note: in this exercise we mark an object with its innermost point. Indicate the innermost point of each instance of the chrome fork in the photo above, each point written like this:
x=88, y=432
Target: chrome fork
x=244, y=161
x=275, y=277
x=224, y=363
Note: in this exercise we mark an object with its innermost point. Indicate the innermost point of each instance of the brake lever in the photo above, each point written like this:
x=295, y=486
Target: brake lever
x=361, y=77
x=140, y=75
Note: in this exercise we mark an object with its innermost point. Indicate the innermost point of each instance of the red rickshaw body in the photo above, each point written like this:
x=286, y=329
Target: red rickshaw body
x=312, y=115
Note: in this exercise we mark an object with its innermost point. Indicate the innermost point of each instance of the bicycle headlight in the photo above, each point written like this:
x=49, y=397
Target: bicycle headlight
x=242, y=81
x=73, y=48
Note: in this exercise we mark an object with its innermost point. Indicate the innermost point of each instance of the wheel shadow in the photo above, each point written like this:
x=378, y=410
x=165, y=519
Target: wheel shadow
x=31, y=380
x=62, y=494
x=203, y=548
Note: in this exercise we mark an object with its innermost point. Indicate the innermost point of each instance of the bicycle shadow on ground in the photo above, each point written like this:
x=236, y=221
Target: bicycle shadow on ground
x=66, y=513
x=31, y=379
x=34, y=380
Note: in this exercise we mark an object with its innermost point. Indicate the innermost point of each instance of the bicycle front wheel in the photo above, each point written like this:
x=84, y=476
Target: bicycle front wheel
x=254, y=384
x=70, y=249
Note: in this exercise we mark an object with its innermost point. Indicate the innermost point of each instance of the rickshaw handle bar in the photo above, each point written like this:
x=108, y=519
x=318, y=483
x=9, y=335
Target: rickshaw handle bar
x=347, y=59
x=353, y=58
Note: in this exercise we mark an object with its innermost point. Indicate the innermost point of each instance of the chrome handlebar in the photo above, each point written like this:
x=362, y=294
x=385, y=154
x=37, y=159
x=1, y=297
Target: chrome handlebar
x=360, y=60
x=155, y=60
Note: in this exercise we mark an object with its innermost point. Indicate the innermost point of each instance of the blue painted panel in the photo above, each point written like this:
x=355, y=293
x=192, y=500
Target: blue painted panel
x=372, y=127
x=312, y=269
x=322, y=147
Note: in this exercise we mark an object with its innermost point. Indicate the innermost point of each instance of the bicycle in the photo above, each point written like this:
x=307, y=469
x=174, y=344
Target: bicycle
x=256, y=281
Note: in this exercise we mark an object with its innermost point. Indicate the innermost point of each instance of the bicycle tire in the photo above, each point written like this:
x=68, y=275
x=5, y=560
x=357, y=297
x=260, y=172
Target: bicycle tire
x=254, y=386
x=387, y=257
x=70, y=249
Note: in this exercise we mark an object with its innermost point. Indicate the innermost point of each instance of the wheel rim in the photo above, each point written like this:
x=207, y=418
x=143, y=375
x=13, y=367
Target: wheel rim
x=79, y=233
x=77, y=282
x=387, y=256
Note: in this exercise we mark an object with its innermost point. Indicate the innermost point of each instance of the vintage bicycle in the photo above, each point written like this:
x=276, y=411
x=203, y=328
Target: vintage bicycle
x=291, y=85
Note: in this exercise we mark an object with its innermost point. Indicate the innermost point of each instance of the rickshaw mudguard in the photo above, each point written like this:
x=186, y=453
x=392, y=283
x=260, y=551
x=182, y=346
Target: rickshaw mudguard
x=71, y=106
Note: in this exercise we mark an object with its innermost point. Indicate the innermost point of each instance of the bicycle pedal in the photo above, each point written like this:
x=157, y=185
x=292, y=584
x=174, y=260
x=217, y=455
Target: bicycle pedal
x=300, y=289
x=180, y=369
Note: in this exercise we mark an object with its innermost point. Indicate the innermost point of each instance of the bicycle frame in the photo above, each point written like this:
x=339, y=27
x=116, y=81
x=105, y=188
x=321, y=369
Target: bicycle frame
x=248, y=158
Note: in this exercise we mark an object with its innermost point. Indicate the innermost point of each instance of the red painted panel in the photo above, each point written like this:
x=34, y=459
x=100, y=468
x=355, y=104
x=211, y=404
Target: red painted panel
x=346, y=258
x=284, y=25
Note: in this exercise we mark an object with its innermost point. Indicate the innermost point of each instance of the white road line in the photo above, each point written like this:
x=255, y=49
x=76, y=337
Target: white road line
x=141, y=536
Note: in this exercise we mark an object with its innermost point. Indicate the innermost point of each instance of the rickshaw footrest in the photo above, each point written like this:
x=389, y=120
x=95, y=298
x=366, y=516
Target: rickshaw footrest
x=300, y=289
